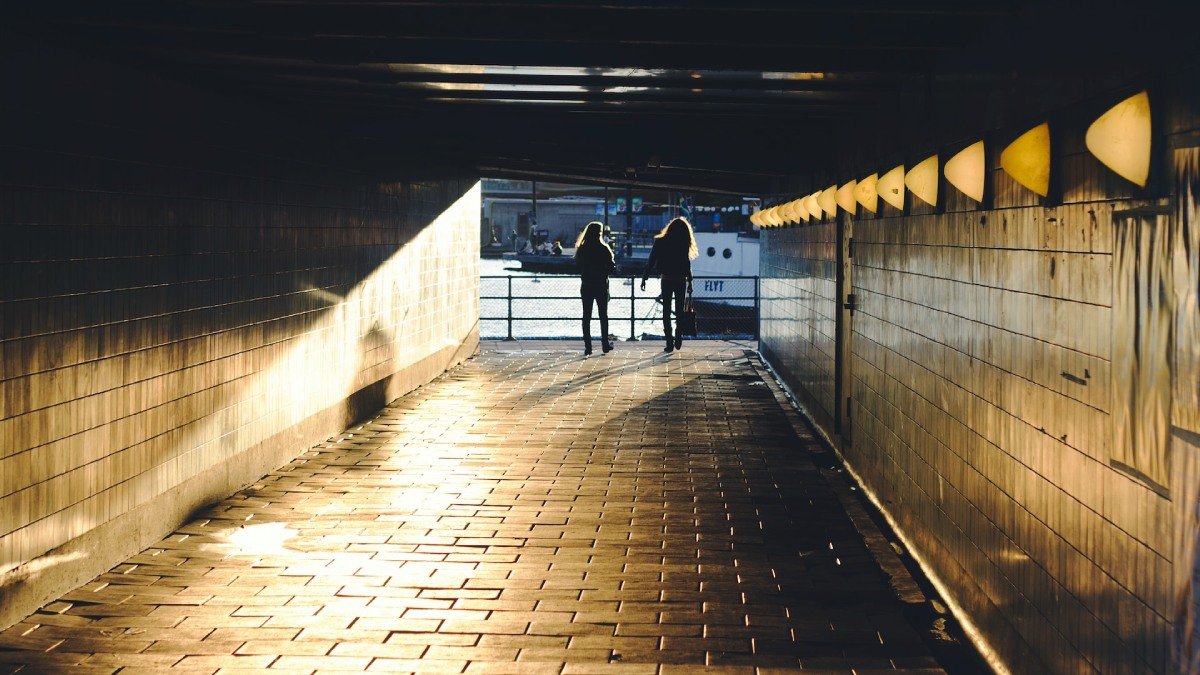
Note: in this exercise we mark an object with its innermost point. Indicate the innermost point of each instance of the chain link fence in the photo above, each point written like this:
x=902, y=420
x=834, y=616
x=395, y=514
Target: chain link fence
x=548, y=306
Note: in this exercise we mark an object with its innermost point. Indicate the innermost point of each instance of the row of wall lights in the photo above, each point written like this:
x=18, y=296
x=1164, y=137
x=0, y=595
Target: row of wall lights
x=1120, y=139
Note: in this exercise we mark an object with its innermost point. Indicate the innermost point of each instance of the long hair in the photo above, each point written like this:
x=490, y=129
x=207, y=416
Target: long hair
x=592, y=232
x=678, y=232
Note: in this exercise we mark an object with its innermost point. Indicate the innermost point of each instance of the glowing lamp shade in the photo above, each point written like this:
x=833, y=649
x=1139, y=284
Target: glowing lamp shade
x=814, y=209
x=845, y=197
x=782, y=212
x=827, y=199
x=922, y=180
x=966, y=170
x=773, y=215
x=801, y=210
x=891, y=187
x=1027, y=159
x=789, y=210
x=768, y=217
x=1120, y=139
x=865, y=193
x=754, y=220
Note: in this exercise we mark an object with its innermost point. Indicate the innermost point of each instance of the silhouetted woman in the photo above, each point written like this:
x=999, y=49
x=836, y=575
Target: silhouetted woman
x=671, y=257
x=594, y=260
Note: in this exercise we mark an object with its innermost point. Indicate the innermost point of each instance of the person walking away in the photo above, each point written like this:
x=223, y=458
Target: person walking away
x=594, y=260
x=671, y=258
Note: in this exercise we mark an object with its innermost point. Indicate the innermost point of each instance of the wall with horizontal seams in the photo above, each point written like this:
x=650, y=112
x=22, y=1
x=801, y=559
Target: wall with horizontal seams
x=1022, y=393
x=185, y=306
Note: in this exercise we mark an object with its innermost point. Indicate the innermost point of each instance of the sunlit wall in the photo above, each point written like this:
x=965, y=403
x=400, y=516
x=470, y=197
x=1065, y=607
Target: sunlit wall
x=180, y=315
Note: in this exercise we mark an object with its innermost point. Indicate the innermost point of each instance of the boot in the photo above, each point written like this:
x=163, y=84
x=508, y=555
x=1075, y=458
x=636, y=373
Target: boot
x=606, y=346
x=587, y=348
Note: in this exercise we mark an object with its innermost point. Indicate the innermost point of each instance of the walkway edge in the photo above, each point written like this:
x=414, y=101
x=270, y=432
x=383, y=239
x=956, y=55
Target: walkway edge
x=880, y=546
x=876, y=541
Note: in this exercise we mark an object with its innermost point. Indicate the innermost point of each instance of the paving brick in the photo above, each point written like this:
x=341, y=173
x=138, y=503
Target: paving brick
x=530, y=511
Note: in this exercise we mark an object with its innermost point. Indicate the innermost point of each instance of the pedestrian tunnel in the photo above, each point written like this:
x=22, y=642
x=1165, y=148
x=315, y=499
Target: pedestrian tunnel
x=229, y=232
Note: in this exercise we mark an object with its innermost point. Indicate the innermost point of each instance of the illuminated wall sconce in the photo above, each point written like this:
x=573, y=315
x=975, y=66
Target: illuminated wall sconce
x=966, y=170
x=1027, y=159
x=814, y=209
x=774, y=215
x=801, y=210
x=891, y=187
x=768, y=217
x=1120, y=138
x=845, y=197
x=788, y=212
x=754, y=220
x=827, y=199
x=865, y=193
x=922, y=180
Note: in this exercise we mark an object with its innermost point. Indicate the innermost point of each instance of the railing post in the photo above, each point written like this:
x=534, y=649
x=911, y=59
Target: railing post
x=510, y=337
x=757, y=308
x=632, y=309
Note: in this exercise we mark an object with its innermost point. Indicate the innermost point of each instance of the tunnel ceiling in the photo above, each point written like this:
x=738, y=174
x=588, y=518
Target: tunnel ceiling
x=717, y=94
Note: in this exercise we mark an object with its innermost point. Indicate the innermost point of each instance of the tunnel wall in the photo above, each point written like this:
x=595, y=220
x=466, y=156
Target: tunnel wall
x=1023, y=397
x=798, y=313
x=183, y=310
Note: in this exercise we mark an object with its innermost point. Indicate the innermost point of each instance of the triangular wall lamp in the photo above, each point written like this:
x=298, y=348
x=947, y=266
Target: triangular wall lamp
x=790, y=215
x=1027, y=159
x=966, y=170
x=845, y=197
x=827, y=198
x=922, y=180
x=865, y=194
x=891, y=187
x=814, y=209
x=1120, y=138
x=801, y=210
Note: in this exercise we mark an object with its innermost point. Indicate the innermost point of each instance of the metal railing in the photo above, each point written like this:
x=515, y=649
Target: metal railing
x=548, y=306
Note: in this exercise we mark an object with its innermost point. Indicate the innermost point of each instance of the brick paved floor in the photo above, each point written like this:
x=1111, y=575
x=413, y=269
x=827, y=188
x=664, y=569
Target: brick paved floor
x=530, y=512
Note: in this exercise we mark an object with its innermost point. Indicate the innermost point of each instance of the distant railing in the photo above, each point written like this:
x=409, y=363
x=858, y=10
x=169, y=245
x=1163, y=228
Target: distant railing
x=548, y=306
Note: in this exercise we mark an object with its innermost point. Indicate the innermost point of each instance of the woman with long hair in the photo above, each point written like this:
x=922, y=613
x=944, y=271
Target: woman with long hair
x=671, y=257
x=594, y=260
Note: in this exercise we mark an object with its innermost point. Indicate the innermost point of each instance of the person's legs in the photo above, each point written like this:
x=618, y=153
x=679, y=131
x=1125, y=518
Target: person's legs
x=671, y=288
x=602, y=309
x=666, y=309
x=679, y=300
x=587, y=298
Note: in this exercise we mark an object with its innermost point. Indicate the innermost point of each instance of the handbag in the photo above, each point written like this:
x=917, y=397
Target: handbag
x=687, y=318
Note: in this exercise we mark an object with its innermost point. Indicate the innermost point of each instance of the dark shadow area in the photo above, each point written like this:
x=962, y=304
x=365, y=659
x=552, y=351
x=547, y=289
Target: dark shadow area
x=369, y=400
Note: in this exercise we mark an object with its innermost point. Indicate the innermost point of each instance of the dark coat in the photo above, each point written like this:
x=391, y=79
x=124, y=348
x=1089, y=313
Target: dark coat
x=594, y=262
x=669, y=259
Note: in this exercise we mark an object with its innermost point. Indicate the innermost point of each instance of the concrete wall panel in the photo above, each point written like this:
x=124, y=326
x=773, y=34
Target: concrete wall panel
x=1021, y=377
x=178, y=317
x=799, y=316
